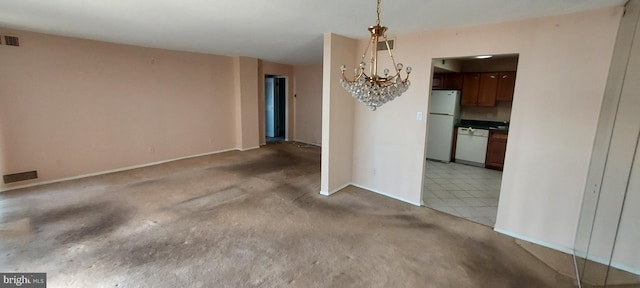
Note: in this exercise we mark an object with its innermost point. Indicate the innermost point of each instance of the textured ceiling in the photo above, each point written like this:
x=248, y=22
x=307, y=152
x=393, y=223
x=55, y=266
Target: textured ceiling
x=285, y=31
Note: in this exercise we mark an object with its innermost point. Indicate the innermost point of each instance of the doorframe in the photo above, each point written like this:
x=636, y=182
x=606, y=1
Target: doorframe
x=424, y=165
x=286, y=107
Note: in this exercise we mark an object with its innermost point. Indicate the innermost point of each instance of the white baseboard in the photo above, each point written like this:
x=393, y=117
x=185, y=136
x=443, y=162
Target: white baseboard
x=325, y=193
x=569, y=251
x=369, y=189
x=625, y=268
x=616, y=265
x=535, y=241
x=3, y=189
x=386, y=194
x=247, y=149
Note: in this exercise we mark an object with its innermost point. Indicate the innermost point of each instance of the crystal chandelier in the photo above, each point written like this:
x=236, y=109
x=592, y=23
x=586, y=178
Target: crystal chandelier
x=374, y=90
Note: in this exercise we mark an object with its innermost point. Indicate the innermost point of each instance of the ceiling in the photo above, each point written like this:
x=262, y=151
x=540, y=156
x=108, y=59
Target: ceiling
x=285, y=31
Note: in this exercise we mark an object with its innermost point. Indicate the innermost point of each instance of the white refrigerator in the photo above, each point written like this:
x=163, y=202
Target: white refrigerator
x=444, y=114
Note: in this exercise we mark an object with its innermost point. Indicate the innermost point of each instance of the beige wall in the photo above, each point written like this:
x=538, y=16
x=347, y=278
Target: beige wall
x=337, y=115
x=562, y=72
x=308, y=103
x=271, y=68
x=247, y=102
x=71, y=107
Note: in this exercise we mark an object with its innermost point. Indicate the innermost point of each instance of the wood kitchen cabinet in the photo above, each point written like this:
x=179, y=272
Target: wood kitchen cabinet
x=488, y=89
x=453, y=81
x=506, y=85
x=438, y=81
x=484, y=89
x=479, y=89
x=496, y=148
x=450, y=81
x=470, y=89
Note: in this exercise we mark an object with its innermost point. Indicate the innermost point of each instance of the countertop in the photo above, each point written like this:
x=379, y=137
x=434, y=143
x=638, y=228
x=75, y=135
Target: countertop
x=498, y=127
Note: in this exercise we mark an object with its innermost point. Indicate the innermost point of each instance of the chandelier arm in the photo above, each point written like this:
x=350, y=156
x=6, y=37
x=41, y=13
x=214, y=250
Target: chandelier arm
x=393, y=60
x=355, y=77
x=365, y=52
x=373, y=70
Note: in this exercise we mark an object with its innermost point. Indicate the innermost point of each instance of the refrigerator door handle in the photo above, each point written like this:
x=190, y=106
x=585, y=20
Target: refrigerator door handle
x=441, y=114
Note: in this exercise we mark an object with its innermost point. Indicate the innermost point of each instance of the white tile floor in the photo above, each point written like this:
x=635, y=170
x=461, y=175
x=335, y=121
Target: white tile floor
x=462, y=190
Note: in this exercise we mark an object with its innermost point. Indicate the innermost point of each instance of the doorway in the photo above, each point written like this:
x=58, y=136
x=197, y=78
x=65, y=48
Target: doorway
x=467, y=134
x=275, y=108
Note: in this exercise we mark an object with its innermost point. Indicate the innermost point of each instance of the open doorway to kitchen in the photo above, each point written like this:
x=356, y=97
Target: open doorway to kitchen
x=275, y=99
x=467, y=134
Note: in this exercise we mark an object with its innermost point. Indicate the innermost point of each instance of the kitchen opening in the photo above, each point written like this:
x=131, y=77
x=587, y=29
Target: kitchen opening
x=467, y=134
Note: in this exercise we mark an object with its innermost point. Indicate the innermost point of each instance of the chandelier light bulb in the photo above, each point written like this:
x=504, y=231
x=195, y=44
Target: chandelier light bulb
x=374, y=90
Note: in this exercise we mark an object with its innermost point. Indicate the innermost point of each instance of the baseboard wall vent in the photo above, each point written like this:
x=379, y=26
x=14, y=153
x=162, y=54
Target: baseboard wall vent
x=22, y=176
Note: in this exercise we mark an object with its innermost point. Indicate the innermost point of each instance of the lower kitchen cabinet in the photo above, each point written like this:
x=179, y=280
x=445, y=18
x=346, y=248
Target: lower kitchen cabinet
x=496, y=148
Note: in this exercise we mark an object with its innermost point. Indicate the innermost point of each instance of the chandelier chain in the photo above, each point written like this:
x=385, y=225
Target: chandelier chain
x=378, y=14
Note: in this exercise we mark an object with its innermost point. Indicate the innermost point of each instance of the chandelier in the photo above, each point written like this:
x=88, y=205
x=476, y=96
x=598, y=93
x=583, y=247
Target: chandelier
x=374, y=90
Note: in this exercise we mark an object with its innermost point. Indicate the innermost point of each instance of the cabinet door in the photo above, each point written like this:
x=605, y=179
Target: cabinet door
x=506, y=84
x=470, y=89
x=438, y=81
x=453, y=81
x=496, y=149
x=488, y=89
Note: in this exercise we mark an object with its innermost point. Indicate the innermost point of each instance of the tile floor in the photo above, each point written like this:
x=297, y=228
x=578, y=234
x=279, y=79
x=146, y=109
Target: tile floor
x=462, y=190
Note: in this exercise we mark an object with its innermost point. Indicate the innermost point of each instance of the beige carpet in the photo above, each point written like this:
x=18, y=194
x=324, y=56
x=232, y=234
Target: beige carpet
x=245, y=219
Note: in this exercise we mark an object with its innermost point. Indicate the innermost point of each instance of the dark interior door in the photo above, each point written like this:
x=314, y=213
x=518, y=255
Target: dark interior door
x=280, y=106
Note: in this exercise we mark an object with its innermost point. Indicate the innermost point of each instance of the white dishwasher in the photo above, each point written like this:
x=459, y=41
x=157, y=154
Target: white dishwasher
x=471, y=146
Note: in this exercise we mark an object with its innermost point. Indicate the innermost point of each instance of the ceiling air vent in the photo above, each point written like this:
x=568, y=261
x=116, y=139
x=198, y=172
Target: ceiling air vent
x=22, y=176
x=382, y=46
x=11, y=41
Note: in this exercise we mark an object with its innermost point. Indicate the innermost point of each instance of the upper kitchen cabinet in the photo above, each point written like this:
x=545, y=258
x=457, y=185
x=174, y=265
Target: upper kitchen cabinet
x=453, y=81
x=484, y=89
x=506, y=84
x=470, y=89
x=479, y=89
x=437, y=82
x=447, y=81
x=488, y=89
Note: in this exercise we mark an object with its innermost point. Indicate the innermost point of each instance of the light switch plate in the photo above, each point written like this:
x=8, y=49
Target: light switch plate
x=419, y=116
